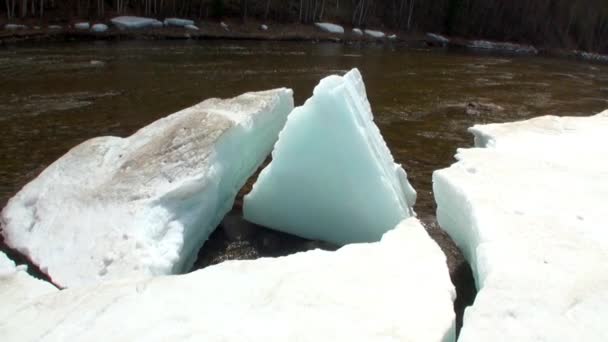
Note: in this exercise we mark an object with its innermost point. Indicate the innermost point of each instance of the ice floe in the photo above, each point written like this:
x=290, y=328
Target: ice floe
x=99, y=28
x=502, y=46
x=331, y=28
x=82, y=26
x=527, y=206
x=397, y=289
x=129, y=22
x=332, y=177
x=178, y=22
x=435, y=38
x=143, y=205
x=13, y=27
x=375, y=34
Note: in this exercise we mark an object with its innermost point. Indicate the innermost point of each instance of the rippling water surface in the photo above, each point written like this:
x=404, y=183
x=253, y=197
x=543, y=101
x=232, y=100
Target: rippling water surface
x=54, y=97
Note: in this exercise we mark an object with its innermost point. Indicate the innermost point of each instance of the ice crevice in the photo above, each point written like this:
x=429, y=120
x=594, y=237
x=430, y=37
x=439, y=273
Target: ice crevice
x=527, y=208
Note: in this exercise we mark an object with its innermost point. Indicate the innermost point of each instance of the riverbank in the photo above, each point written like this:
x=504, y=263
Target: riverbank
x=207, y=30
x=255, y=30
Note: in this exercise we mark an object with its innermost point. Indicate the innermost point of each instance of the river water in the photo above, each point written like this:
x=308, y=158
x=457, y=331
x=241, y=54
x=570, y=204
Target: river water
x=54, y=97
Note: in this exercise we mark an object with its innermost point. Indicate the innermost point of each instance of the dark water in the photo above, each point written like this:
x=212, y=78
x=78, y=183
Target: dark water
x=52, y=98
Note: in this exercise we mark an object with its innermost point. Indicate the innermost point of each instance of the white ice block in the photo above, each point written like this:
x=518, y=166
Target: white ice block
x=143, y=205
x=332, y=177
x=397, y=289
x=528, y=207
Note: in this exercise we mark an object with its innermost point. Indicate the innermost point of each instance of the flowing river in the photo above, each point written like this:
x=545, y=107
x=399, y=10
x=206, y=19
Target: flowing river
x=54, y=97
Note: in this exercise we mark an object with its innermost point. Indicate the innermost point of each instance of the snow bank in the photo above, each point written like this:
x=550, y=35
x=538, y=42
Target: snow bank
x=592, y=57
x=392, y=37
x=264, y=27
x=502, y=46
x=143, y=205
x=331, y=28
x=357, y=31
x=374, y=34
x=332, y=176
x=17, y=287
x=435, y=38
x=82, y=26
x=192, y=27
x=528, y=209
x=397, y=289
x=129, y=23
x=99, y=28
x=13, y=27
x=178, y=22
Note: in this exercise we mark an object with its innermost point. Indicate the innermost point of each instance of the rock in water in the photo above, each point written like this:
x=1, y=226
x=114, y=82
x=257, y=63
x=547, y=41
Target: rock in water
x=397, y=289
x=17, y=287
x=527, y=207
x=144, y=205
x=332, y=177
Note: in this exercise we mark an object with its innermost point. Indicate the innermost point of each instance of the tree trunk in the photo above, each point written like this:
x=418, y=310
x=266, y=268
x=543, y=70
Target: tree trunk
x=267, y=11
x=409, y=17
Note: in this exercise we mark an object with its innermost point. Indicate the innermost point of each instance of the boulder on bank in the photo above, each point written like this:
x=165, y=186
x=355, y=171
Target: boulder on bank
x=331, y=28
x=397, y=289
x=143, y=205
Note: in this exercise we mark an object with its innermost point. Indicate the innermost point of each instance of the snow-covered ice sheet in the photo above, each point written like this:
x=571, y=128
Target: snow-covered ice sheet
x=331, y=28
x=143, y=205
x=437, y=38
x=397, y=289
x=99, y=28
x=17, y=287
x=528, y=207
x=178, y=22
x=129, y=22
x=375, y=34
x=332, y=177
